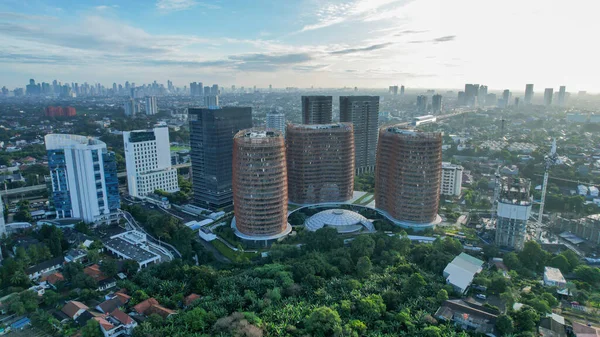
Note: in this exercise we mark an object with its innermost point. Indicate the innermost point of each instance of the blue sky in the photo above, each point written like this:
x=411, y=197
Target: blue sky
x=325, y=43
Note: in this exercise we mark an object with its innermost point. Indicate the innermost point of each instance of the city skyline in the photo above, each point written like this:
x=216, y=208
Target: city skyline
x=369, y=44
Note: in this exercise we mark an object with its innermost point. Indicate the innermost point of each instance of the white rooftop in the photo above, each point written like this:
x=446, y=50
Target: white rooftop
x=344, y=221
x=461, y=271
x=554, y=274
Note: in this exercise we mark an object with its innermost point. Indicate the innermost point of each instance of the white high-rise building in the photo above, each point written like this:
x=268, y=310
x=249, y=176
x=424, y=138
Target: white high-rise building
x=513, y=212
x=151, y=107
x=276, y=120
x=84, y=178
x=148, y=162
x=451, y=179
x=131, y=107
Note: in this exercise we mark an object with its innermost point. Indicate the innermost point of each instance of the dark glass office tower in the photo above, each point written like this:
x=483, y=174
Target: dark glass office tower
x=363, y=113
x=317, y=109
x=211, y=140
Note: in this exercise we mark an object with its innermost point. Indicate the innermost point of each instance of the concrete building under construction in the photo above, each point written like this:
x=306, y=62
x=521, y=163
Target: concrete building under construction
x=320, y=162
x=514, y=208
x=260, y=192
x=408, y=176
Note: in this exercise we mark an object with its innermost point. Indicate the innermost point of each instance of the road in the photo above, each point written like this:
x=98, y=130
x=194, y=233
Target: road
x=150, y=238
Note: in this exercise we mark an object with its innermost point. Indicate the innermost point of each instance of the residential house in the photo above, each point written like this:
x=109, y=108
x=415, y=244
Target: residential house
x=552, y=326
x=44, y=267
x=116, y=323
x=151, y=306
x=554, y=278
x=52, y=279
x=468, y=316
x=114, y=302
x=74, y=309
x=104, y=282
x=75, y=255
x=460, y=272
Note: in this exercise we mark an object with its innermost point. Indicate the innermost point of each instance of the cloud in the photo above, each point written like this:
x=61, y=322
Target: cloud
x=115, y=36
x=447, y=38
x=310, y=68
x=11, y=16
x=335, y=13
x=181, y=5
x=358, y=50
x=407, y=32
x=268, y=62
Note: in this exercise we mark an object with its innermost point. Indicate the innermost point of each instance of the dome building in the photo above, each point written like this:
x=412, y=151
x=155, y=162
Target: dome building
x=344, y=221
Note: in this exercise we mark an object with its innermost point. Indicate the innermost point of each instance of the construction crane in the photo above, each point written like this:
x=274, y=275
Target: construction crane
x=549, y=161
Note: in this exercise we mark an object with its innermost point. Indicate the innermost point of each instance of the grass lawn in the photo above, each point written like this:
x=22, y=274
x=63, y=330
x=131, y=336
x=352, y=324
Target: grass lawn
x=365, y=199
x=231, y=254
x=179, y=148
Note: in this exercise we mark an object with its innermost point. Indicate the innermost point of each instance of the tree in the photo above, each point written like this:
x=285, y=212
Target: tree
x=415, y=283
x=93, y=256
x=363, y=267
x=371, y=306
x=23, y=214
x=82, y=227
x=91, y=329
x=588, y=274
x=533, y=257
x=109, y=267
x=505, y=325
x=363, y=245
x=572, y=257
x=51, y=298
x=526, y=319
x=432, y=331
x=560, y=262
x=511, y=260
x=130, y=267
x=442, y=295
x=323, y=322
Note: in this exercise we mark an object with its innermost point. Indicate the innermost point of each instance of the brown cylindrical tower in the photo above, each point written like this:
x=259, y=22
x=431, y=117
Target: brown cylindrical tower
x=320, y=161
x=408, y=174
x=260, y=192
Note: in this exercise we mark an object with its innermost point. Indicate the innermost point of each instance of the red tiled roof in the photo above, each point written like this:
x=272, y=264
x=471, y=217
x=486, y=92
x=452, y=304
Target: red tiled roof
x=123, y=297
x=94, y=272
x=151, y=306
x=55, y=277
x=72, y=307
x=189, y=299
x=104, y=323
x=121, y=317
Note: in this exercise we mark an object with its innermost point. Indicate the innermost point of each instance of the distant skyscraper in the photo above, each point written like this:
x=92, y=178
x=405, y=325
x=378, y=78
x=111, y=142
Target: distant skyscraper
x=206, y=91
x=320, y=161
x=422, y=104
x=211, y=101
x=548, y=93
x=151, y=106
x=84, y=178
x=528, y=94
x=471, y=92
x=317, y=109
x=514, y=208
x=562, y=92
x=517, y=102
x=196, y=89
x=214, y=90
x=276, y=120
x=393, y=89
x=506, y=97
x=401, y=90
x=148, y=162
x=481, y=96
x=270, y=88
x=408, y=175
x=131, y=107
x=363, y=113
x=461, y=100
x=491, y=100
x=211, y=140
x=436, y=103
x=260, y=188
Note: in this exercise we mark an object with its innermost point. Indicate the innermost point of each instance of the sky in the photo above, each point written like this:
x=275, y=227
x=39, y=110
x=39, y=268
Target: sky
x=303, y=43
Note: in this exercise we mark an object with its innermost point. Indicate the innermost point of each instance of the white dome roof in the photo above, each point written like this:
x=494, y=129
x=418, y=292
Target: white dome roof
x=344, y=221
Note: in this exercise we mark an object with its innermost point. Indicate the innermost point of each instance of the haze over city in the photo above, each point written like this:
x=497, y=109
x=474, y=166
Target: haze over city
x=364, y=43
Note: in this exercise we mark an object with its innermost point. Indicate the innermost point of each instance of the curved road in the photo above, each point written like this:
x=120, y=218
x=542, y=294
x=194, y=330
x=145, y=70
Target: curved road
x=138, y=227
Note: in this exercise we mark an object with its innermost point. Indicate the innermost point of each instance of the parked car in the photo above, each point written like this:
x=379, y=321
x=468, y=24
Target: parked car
x=481, y=296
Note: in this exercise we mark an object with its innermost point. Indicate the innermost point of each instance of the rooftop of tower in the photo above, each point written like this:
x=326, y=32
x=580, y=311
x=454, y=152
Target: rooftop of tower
x=321, y=126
